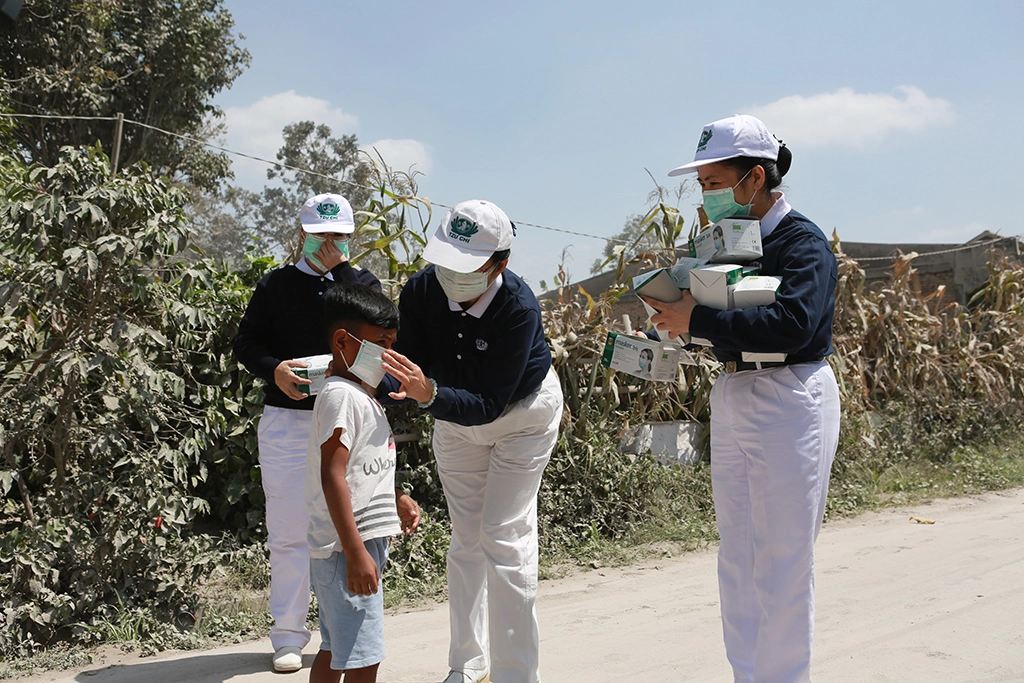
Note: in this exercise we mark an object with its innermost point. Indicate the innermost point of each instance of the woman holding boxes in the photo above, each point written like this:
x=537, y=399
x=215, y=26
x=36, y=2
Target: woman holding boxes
x=774, y=426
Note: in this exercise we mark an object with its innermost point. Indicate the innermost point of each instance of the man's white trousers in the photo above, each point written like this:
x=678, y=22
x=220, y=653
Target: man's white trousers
x=491, y=475
x=774, y=434
x=283, y=435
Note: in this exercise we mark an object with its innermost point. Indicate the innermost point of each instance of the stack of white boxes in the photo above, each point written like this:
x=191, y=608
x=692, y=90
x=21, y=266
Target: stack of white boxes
x=717, y=275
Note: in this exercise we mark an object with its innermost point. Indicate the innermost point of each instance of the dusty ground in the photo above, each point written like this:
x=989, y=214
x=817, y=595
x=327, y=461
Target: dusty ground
x=897, y=601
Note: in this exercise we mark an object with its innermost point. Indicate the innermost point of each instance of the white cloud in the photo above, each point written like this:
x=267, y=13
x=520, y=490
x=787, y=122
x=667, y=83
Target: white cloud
x=256, y=129
x=401, y=155
x=852, y=119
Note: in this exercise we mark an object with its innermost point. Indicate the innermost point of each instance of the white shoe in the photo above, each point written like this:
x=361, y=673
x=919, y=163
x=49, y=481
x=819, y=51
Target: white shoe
x=288, y=658
x=466, y=677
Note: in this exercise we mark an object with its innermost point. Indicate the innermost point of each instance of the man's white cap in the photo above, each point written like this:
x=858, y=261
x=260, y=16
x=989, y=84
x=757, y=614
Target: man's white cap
x=327, y=213
x=736, y=136
x=468, y=235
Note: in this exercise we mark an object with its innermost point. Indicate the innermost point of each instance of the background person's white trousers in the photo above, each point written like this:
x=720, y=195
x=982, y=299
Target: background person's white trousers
x=774, y=434
x=491, y=474
x=283, y=435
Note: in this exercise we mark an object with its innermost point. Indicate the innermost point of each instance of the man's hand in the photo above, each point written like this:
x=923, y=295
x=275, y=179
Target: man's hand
x=673, y=317
x=286, y=380
x=362, y=572
x=414, y=384
x=408, y=512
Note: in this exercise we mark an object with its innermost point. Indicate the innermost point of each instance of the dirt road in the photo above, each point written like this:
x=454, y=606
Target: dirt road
x=897, y=601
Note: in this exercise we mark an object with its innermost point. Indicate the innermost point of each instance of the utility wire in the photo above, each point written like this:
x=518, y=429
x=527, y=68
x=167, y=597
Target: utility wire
x=297, y=169
x=279, y=164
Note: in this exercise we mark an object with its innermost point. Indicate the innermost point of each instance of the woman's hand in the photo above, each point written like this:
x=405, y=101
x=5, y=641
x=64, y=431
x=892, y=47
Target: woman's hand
x=414, y=384
x=286, y=380
x=673, y=317
x=330, y=255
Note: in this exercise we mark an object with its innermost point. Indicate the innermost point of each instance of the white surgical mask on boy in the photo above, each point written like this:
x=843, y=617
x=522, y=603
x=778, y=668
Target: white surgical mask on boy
x=461, y=287
x=367, y=365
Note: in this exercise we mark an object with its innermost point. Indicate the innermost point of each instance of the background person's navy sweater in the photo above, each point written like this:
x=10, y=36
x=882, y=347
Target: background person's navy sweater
x=799, y=323
x=285, y=320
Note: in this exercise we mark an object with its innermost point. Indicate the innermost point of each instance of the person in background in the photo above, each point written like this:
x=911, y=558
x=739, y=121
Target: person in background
x=284, y=321
x=471, y=350
x=774, y=426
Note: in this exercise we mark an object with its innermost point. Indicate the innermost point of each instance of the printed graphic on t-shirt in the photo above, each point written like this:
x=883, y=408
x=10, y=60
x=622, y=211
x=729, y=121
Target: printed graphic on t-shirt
x=381, y=513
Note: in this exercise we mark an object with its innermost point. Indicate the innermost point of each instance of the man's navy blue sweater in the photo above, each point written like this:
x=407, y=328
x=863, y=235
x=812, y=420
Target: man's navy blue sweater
x=285, y=320
x=799, y=323
x=480, y=365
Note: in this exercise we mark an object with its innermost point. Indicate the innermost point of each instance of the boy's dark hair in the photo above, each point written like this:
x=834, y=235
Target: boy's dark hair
x=349, y=303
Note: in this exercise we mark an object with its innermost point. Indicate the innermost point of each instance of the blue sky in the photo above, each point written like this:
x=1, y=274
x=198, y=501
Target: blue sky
x=906, y=119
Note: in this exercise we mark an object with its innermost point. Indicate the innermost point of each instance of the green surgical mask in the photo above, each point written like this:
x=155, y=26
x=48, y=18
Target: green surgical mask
x=312, y=244
x=719, y=204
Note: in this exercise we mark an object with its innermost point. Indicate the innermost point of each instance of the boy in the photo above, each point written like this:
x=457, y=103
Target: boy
x=350, y=495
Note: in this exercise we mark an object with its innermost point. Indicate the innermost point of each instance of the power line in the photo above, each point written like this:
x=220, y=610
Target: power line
x=279, y=164
x=964, y=247
x=297, y=169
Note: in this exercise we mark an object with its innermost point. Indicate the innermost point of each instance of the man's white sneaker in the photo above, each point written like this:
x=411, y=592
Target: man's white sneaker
x=466, y=677
x=288, y=658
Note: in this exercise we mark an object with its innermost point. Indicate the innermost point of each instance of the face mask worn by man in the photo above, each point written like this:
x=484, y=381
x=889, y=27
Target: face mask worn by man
x=367, y=365
x=719, y=204
x=312, y=244
x=461, y=287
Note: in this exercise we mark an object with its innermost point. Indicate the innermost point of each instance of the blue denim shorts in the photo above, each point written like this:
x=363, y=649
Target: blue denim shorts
x=351, y=626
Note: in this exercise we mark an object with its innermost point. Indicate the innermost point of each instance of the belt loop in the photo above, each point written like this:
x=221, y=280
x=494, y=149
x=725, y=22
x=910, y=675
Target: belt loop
x=758, y=364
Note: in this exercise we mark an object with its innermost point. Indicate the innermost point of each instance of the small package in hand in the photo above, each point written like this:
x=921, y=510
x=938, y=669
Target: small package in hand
x=316, y=372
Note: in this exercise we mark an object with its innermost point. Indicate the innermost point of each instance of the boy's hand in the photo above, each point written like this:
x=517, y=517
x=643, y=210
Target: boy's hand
x=408, y=512
x=362, y=572
x=286, y=380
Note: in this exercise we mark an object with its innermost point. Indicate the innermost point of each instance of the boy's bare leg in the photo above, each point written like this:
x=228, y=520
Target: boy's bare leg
x=321, y=671
x=367, y=674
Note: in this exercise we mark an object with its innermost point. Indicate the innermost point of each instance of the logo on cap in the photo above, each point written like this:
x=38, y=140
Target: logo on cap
x=327, y=210
x=462, y=229
x=705, y=138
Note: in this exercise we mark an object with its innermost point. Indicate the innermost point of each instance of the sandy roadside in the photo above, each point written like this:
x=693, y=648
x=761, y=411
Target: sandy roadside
x=898, y=601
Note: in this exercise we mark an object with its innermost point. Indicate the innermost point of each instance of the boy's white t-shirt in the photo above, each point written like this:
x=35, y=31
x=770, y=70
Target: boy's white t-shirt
x=371, y=465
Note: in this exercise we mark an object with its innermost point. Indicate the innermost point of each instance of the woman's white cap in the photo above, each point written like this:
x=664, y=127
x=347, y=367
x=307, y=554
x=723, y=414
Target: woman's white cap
x=737, y=136
x=468, y=236
x=327, y=213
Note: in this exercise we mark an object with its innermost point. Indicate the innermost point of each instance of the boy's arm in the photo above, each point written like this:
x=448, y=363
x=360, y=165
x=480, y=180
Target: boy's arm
x=362, y=572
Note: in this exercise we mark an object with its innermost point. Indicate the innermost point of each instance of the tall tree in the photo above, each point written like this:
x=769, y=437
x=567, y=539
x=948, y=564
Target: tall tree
x=333, y=165
x=158, y=62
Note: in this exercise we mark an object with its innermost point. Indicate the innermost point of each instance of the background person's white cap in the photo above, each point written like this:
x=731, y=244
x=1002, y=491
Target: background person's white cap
x=468, y=235
x=737, y=136
x=327, y=213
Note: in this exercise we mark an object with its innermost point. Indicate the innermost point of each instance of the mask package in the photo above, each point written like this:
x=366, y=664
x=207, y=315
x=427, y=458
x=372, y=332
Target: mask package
x=644, y=358
x=316, y=372
x=730, y=240
x=666, y=284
